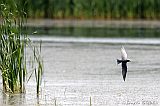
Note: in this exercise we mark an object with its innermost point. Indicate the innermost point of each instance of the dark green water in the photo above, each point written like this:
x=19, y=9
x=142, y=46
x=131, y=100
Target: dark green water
x=95, y=32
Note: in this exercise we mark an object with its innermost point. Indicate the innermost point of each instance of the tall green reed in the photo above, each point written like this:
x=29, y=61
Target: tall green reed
x=12, y=61
x=13, y=44
x=39, y=70
x=95, y=9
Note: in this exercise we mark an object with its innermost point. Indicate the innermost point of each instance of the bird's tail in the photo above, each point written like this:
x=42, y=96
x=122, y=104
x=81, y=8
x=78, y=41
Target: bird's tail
x=118, y=61
x=124, y=72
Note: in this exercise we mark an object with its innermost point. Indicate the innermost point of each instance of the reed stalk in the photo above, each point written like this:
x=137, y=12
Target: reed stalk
x=13, y=43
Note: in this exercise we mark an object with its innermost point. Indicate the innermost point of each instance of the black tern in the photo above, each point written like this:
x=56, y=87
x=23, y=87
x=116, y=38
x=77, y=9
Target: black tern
x=123, y=61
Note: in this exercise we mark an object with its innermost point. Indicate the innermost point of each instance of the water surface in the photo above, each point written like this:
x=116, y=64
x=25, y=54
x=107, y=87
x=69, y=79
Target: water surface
x=78, y=72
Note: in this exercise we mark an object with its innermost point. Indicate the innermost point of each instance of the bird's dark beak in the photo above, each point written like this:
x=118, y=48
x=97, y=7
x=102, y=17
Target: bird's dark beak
x=128, y=60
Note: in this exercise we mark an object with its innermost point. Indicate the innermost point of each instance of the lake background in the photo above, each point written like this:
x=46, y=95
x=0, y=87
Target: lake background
x=79, y=70
x=94, y=28
x=76, y=72
x=81, y=41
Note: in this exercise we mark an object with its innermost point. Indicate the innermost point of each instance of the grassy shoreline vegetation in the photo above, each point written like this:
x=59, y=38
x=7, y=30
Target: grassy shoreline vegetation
x=13, y=44
x=94, y=9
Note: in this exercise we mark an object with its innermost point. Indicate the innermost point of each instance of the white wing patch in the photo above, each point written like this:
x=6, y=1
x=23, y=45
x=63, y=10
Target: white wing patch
x=123, y=54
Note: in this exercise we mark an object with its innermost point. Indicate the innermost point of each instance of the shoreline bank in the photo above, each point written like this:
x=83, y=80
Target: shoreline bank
x=93, y=23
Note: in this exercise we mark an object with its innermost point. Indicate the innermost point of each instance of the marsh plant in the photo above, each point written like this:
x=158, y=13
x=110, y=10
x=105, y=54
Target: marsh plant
x=13, y=44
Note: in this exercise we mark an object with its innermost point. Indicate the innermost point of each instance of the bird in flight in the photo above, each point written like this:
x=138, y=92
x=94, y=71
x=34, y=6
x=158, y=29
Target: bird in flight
x=123, y=61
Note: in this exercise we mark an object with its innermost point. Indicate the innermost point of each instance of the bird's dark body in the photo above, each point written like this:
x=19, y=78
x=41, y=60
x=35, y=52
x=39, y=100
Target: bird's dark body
x=124, y=67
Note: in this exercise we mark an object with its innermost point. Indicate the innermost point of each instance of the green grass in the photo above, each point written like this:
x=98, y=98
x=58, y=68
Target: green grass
x=94, y=9
x=12, y=61
x=13, y=43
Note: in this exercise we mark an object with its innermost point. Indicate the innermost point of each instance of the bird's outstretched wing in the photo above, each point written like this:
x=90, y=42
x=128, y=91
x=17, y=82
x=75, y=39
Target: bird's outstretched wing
x=123, y=54
x=124, y=70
